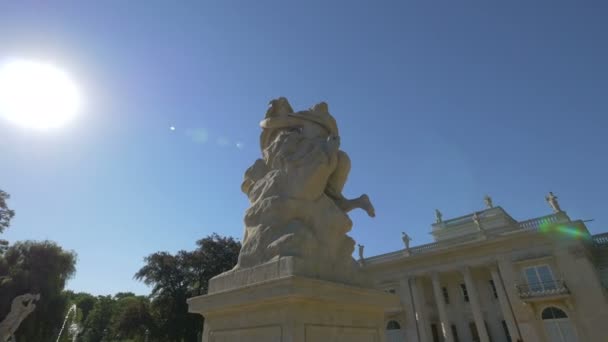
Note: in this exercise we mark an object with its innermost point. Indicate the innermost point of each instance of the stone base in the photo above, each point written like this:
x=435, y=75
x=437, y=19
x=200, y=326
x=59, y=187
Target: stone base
x=294, y=309
x=280, y=268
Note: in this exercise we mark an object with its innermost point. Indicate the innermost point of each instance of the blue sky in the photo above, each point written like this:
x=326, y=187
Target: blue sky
x=438, y=104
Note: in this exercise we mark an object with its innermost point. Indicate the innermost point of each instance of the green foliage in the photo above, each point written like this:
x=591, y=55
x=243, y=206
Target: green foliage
x=132, y=317
x=175, y=278
x=168, y=276
x=85, y=304
x=97, y=324
x=215, y=254
x=6, y=214
x=44, y=267
x=122, y=317
x=37, y=267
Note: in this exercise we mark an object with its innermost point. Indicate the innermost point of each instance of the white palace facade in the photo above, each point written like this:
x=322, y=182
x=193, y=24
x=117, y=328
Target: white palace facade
x=487, y=277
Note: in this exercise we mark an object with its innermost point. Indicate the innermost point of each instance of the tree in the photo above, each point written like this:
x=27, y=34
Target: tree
x=85, y=304
x=6, y=214
x=175, y=278
x=215, y=254
x=37, y=267
x=167, y=274
x=132, y=317
x=97, y=324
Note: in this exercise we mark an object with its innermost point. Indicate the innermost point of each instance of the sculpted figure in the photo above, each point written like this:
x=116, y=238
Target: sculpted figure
x=21, y=307
x=406, y=240
x=438, y=216
x=477, y=221
x=552, y=200
x=488, y=201
x=297, y=134
x=297, y=208
x=361, y=247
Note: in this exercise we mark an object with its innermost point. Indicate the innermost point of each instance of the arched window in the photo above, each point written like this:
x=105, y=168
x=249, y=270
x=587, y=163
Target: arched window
x=553, y=313
x=393, y=325
x=558, y=326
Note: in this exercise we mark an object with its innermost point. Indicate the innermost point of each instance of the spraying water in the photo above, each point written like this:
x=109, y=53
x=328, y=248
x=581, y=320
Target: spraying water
x=72, y=309
x=74, y=330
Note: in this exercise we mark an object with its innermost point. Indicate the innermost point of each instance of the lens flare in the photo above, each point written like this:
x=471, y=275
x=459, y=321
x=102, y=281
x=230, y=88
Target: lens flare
x=563, y=230
x=37, y=95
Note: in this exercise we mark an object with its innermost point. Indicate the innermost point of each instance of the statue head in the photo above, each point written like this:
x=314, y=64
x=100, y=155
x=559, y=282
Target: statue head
x=278, y=107
x=314, y=122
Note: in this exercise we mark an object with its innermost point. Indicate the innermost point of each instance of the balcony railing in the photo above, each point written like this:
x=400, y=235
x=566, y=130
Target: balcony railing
x=600, y=239
x=537, y=223
x=544, y=289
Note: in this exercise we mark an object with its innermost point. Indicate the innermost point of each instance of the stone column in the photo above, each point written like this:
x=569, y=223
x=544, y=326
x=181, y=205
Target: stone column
x=424, y=329
x=474, y=300
x=443, y=315
x=407, y=301
x=505, y=306
x=527, y=323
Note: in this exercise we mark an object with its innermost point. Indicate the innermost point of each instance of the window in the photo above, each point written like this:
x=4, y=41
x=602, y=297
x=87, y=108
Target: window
x=558, y=326
x=465, y=293
x=493, y=288
x=506, y=329
x=446, y=297
x=553, y=313
x=435, y=332
x=474, y=333
x=488, y=331
x=455, y=333
x=540, y=278
x=393, y=325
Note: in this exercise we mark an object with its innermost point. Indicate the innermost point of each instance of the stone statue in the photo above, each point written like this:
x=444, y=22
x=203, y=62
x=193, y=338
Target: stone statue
x=488, y=201
x=21, y=307
x=438, y=216
x=552, y=200
x=297, y=208
x=477, y=221
x=361, y=247
x=406, y=240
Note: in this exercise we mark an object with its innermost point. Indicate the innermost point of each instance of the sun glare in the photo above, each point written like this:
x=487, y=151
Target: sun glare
x=37, y=95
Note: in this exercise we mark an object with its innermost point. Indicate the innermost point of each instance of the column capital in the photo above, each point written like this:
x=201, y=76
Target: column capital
x=491, y=265
x=465, y=270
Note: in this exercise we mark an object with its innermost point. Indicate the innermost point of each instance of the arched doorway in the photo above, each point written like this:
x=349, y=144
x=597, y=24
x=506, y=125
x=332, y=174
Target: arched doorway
x=394, y=332
x=558, y=326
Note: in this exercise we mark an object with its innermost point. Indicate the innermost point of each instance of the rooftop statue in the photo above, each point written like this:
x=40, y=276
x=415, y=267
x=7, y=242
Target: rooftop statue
x=406, y=240
x=477, y=221
x=438, y=216
x=488, y=201
x=552, y=200
x=361, y=248
x=21, y=307
x=297, y=207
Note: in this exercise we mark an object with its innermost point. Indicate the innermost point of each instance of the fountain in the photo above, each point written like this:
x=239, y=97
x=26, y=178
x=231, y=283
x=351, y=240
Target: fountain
x=74, y=329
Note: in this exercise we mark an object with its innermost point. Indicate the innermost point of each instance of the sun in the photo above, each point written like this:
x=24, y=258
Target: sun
x=37, y=95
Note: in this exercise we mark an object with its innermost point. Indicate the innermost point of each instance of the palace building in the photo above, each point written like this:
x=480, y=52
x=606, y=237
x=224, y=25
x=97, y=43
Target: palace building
x=488, y=277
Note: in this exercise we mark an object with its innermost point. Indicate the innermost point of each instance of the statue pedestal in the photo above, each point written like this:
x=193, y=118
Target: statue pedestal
x=294, y=309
